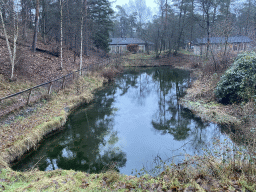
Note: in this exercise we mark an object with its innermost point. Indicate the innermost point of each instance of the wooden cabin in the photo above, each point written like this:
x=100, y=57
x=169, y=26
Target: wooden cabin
x=235, y=44
x=119, y=45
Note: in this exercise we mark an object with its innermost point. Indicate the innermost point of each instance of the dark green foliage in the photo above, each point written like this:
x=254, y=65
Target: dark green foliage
x=239, y=81
x=100, y=13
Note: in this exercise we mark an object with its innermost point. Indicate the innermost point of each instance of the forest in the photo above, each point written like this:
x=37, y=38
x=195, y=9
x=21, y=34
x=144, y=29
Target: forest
x=82, y=25
x=55, y=55
x=180, y=22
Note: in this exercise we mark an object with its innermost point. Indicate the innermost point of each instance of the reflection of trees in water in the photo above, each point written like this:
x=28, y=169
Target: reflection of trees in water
x=143, y=89
x=171, y=117
x=168, y=118
x=95, y=124
x=140, y=79
x=170, y=85
x=80, y=147
x=91, y=143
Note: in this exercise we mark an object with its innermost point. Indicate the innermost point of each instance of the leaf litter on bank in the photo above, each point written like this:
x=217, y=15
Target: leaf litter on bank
x=183, y=178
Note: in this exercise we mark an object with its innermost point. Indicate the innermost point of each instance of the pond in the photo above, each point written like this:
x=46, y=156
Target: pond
x=135, y=122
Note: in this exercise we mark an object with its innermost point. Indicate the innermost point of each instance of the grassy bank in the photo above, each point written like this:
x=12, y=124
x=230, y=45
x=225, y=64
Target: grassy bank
x=24, y=133
x=195, y=174
x=200, y=98
x=6, y=88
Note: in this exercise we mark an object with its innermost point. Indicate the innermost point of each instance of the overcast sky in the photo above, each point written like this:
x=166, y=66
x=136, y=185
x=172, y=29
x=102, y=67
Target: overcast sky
x=236, y=4
x=149, y=3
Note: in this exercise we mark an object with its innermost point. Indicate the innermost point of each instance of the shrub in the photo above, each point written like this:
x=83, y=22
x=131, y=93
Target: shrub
x=238, y=82
x=133, y=48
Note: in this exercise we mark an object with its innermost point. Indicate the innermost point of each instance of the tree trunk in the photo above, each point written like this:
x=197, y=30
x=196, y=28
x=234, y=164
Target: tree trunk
x=12, y=55
x=44, y=15
x=75, y=49
x=81, y=43
x=192, y=25
x=86, y=32
x=208, y=33
x=180, y=29
x=36, y=26
x=248, y=17
x=24, y=15
x=61, y=35
x=70, y=35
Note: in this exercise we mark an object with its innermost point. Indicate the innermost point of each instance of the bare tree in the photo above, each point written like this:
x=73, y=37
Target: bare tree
x=248, y=17
x=44, y=16
x=36, y=26
x=181, y=23
x=12, y=52
x=209, y=9
x=161, y=28
x=86, y=28
x=227, y=24
x=81, y=42
x=24, y=16
x=61, y=35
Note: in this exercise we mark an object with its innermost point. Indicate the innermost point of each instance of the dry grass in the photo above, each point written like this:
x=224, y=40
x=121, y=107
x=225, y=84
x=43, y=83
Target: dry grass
x=24, y=134
x=7, y=88
x=238, y=118
x=110, y=73
x=200, y=97
x=195, y=174
x=139, y=56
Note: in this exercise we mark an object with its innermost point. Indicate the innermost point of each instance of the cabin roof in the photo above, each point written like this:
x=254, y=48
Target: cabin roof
x=220, y=40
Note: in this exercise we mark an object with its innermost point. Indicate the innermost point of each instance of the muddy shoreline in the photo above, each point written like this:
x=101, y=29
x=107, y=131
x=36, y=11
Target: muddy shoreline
x=207, y=111
x=43, y=121
x=194, y=174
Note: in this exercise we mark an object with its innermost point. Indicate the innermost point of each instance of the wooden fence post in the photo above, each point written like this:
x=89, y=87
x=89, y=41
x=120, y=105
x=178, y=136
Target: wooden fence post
x=50, y=89
x=63, y=83
x=29, y=96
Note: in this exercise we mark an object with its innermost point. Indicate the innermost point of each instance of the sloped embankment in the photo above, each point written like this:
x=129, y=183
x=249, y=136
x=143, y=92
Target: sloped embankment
x=24, y=133
x=202, y=174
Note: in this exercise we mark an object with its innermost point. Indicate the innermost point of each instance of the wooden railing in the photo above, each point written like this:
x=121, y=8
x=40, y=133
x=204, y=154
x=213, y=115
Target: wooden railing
x=44, y=89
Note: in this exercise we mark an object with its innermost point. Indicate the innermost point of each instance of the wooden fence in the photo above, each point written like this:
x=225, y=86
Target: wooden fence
x=22, y=98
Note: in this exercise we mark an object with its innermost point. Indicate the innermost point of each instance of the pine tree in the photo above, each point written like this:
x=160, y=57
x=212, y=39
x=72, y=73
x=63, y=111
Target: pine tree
x=100, y=14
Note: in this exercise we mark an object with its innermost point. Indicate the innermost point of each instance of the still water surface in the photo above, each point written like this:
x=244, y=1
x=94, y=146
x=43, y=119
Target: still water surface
x=135, y=122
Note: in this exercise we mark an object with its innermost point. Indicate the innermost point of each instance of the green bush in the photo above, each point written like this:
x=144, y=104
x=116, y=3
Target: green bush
x=239, y=81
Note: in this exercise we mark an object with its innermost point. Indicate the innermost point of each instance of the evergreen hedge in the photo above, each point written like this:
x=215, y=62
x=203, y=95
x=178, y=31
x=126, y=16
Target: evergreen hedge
x=239, y=82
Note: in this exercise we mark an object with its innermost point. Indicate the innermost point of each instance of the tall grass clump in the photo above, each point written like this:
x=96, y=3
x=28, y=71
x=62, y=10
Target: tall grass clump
x=238, y=83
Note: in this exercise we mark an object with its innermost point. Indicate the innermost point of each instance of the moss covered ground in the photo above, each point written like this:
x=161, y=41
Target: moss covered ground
x=204, y=173
x=195, y=174
x=24, y=133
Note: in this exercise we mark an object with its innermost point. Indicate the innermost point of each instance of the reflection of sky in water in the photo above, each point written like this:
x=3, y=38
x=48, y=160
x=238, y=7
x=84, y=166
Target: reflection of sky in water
x=138, y=138
x=67, y=153
x=133, y=122
x=52, y=164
